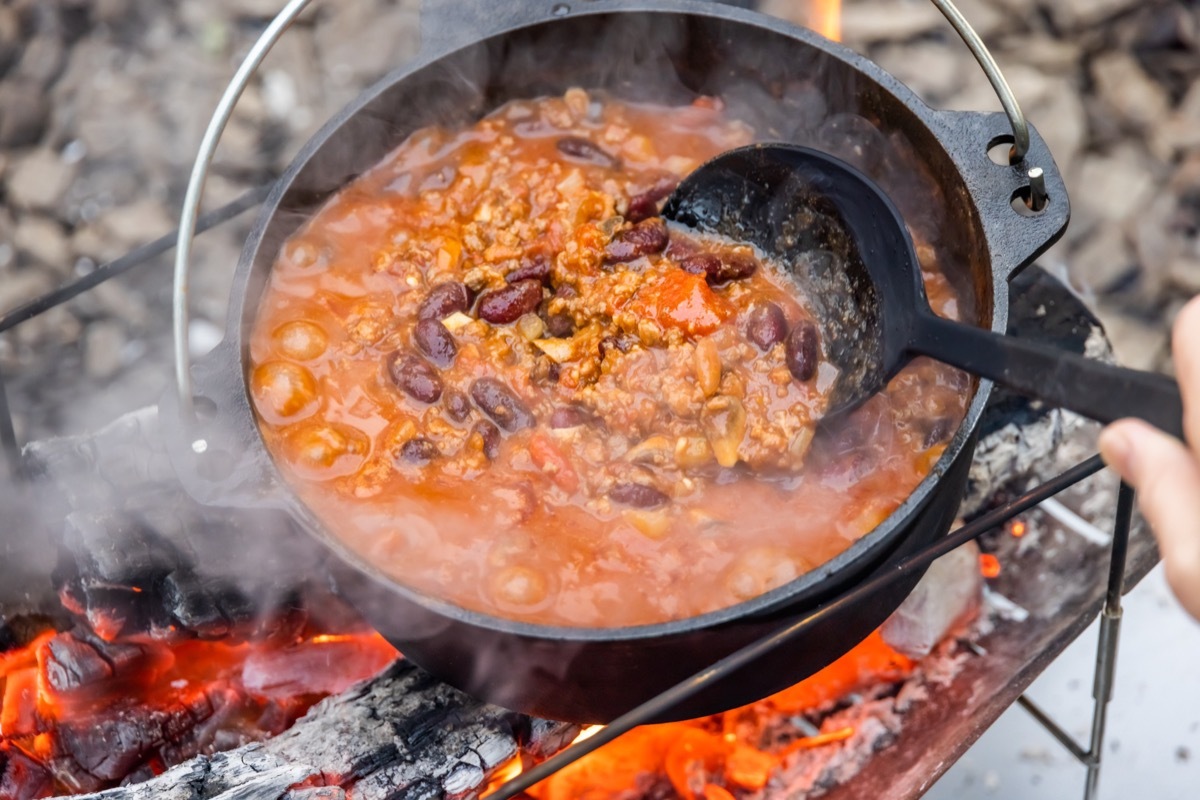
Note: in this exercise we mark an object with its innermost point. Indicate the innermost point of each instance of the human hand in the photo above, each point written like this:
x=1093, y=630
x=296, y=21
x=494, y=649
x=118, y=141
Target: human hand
x=1166, y=472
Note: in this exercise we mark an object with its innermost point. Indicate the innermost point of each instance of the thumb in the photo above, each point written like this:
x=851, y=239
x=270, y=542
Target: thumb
x=1166, y=476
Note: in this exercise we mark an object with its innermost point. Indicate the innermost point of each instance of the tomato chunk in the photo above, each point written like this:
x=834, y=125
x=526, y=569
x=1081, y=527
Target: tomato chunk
x=683, y=301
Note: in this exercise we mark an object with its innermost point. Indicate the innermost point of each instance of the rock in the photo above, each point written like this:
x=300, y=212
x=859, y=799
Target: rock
x=1102, y=260
x=42, y=240
x=24, y=112
x=40, y=181
x=1080, y=13
x=357, y=44
x=137, y=223
x=888, y=20
x=258, y=9
x=1184, y=274
x=930, y=68
x=42, y=60
x=19, y=287
x=1129, y=92
x=1113, y=188
x=1137, y=342
x=102, y=349
x=1041, y=52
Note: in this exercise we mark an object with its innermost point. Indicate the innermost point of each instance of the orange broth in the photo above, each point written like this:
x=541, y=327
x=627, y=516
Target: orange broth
x=492, y=370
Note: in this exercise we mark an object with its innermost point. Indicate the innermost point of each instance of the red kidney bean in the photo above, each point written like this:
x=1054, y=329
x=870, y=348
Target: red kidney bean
x=457, y=404
x=502, y=306
x=637, y=495
x=501, y=404
x=766, y=325
x=419, y=450
x=490, y=435
x=646, y=237
x=436, y=342
x=732, y=268
x=701, y=264
x=645, y=205
x=533, y=268
x=445, y=299
x=569, y=417
x=622, y=342
x=415, y=377
x=586, y=150
x=801, y=351
x=560, y=325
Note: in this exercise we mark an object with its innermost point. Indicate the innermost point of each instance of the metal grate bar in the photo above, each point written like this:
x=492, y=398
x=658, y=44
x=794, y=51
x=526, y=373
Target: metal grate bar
x=128, y=261
x=657, y=706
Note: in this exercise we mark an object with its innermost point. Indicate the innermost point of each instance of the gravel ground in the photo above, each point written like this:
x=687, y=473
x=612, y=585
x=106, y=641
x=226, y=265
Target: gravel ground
x=103, y=102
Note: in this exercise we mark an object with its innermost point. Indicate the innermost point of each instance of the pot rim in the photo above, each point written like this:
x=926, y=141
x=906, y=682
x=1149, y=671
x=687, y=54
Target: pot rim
x=818, y=584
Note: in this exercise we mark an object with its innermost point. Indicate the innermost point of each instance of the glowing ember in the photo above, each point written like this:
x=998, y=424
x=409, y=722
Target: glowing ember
x=81, y=714
x=1017, y=528
x=587, y=733
x=701, y=763
x=825, y=17
x=989, y=565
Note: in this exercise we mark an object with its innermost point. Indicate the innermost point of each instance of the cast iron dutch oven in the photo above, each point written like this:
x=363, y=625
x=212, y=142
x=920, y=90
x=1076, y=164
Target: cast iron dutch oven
x=792, y=85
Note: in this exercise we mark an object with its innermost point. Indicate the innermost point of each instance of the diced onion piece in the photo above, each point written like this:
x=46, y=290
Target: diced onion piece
x=561, y=350
x=456, y=321
x=531, y=327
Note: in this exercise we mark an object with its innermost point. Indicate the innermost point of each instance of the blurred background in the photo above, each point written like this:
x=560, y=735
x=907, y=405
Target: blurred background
x=103, y=103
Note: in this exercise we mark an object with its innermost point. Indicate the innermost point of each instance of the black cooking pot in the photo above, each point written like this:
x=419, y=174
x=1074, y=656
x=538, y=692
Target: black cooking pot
x=792, y=85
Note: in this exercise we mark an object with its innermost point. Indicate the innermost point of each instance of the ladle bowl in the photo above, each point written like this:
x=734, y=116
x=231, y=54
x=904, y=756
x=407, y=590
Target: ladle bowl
x=845, y=244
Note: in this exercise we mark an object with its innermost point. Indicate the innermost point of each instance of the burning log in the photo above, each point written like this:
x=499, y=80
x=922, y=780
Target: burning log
x=400, y=735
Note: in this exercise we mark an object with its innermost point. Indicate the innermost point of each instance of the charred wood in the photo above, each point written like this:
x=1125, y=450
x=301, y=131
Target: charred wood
x=402, y=735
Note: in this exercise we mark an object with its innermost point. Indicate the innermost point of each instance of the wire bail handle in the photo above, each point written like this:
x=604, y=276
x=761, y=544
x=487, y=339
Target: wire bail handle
x=241, y=79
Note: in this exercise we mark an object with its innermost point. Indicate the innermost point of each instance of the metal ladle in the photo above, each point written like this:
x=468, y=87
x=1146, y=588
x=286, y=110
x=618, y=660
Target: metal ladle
x=846, y=245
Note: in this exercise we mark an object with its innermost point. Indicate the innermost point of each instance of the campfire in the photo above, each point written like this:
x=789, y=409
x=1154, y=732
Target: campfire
x=143, y=674
x=122, y=679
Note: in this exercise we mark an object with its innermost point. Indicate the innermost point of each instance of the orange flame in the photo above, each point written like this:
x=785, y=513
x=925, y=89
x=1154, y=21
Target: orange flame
x=825, y=17
x=989, y=565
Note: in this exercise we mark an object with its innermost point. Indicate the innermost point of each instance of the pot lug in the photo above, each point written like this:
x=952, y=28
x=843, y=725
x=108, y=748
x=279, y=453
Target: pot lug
x=1014, y=239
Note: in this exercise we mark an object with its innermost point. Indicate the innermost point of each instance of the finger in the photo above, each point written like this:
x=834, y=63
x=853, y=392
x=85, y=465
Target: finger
x=1166, y=476
x=1185, y=350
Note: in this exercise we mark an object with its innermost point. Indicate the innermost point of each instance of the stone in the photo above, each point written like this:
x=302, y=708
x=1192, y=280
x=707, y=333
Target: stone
x=43, y=240
x=24, y=113
x=137, y=223
x=1137, y=342
x=930, y=68
x=20, y=286
x=1113, y=188
x=358, y=45
x=102, y=346
x=1129, y=92
x=888, y=20
x=1102, y=260
x=42, y=59
x=1073, y=14
x=40, y=180
x=1184, y=274
x=258, y=9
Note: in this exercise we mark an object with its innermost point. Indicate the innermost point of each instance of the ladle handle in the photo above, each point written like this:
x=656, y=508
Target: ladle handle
x=1097, y=390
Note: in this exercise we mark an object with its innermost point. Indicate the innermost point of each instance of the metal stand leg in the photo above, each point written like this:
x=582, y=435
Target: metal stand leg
x=1106, y=655
x=1106, y=649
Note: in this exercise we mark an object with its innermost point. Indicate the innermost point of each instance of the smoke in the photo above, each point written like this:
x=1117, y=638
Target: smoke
x=118, y=483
